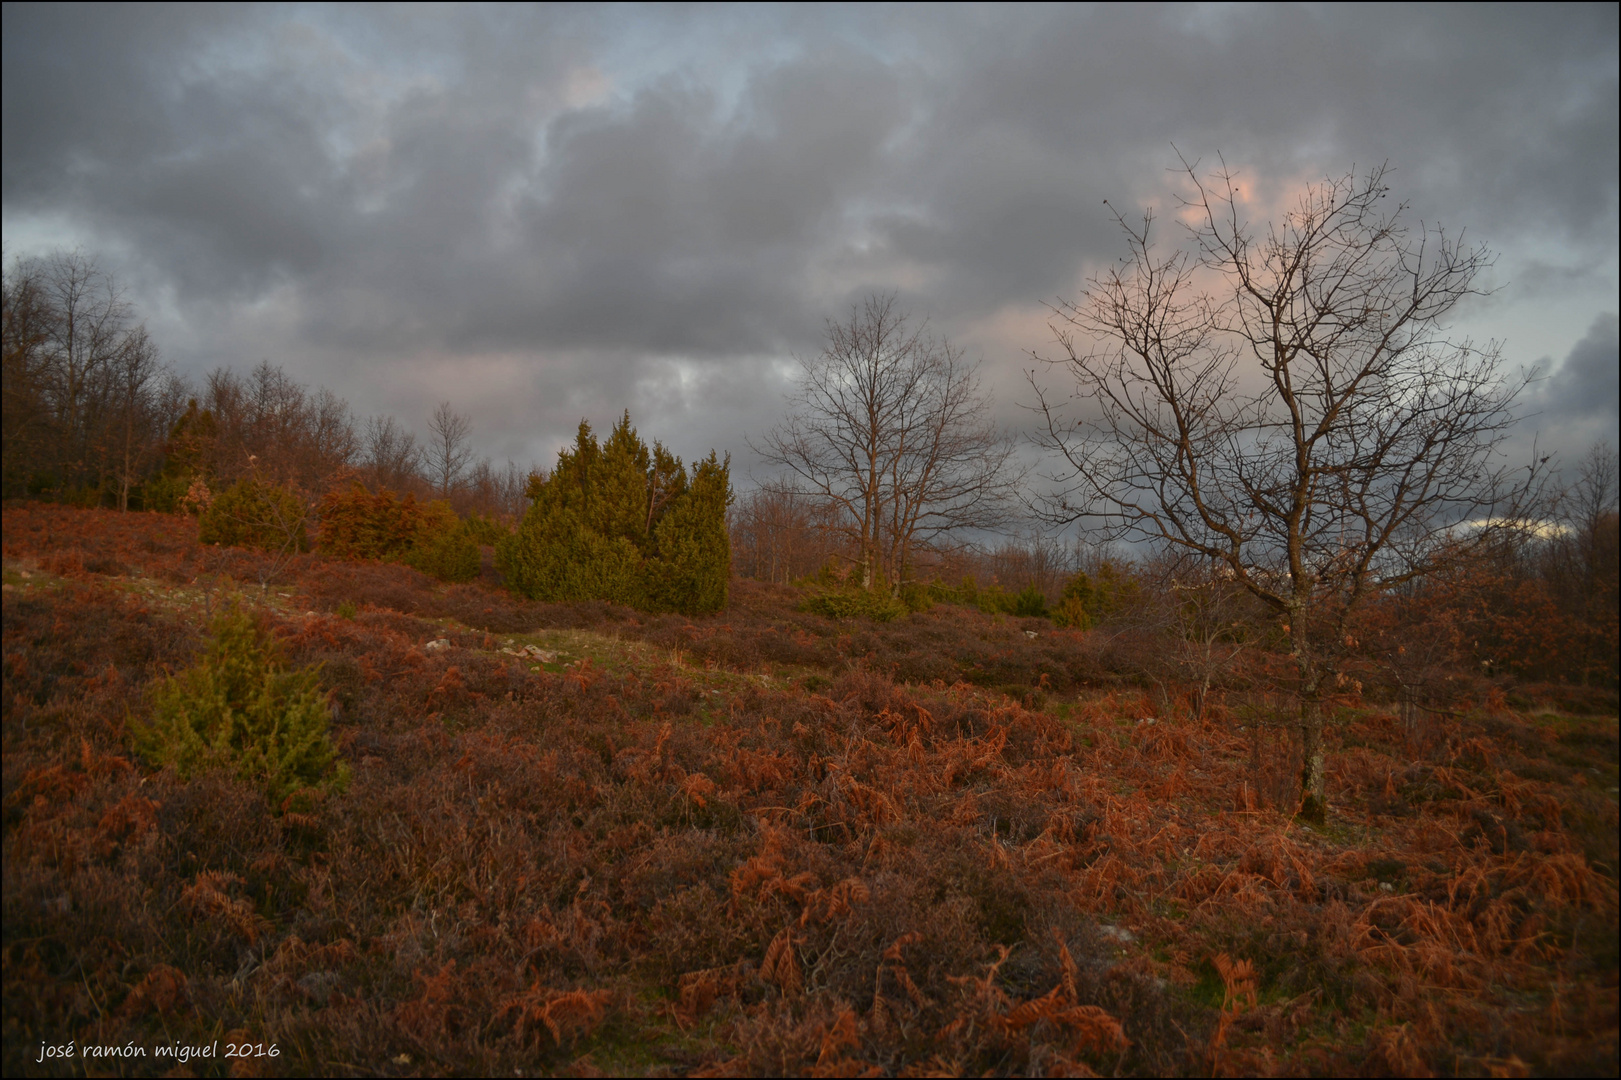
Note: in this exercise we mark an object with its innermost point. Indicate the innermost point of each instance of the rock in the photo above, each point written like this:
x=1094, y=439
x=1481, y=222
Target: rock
x=1031, y=634
x=437, y=645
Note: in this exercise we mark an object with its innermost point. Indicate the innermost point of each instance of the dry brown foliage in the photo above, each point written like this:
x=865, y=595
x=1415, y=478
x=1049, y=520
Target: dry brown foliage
x=680, y=868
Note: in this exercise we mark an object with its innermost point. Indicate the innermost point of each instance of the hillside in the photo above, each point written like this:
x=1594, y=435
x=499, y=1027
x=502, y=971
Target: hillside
x=581, y=840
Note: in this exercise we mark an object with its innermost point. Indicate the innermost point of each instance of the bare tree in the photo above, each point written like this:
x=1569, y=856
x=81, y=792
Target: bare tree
x=448, y=451
x=889, y=426
x=1594, y=495
x=1308, y=422
x=138, y=427
x=80, y=382
x=778, y=535
x=1578, y=561
x=27, y=318
x=389, y=454
x=89, y=330
x=496, y=492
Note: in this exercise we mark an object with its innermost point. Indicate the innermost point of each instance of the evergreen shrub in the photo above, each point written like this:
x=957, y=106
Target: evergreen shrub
x=185, y=471
x=616, y=521
x=1088, y=601
x=485, y=530
x=1028, y=603
x=854, y=603
x=443, y=546
x=240, y=709
x=258, y=514
x=916, y=595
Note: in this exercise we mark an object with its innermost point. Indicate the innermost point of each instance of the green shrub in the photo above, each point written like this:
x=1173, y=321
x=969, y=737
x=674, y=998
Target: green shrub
x=485, y=530
x=186, y=455
x=443, y=546
x=1029, y=603
x=239, y=709
x=692, y=561
x=966, y=593
x=163, y=492
x=1088, y=601
x=994, y=600
x=916, y=596
x=853, y=604
x=258, y=514
x=618, y=522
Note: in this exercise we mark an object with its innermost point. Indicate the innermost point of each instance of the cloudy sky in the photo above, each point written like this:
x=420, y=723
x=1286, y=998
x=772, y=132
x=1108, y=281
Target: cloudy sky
x=543, y=214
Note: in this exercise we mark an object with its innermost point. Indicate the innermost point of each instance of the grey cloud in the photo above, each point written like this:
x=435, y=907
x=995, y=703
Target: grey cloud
x=1587, y=384
x=356, y=191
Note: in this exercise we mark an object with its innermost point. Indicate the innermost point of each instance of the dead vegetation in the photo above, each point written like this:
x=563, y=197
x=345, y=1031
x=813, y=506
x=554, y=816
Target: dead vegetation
x=766, y=843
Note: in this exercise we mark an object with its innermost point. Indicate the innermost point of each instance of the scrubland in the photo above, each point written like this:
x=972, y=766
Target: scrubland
x=763, y=842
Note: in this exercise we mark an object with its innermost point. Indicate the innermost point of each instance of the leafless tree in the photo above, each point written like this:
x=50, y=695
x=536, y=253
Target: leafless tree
x=26, y=320
x=270, y=425
x=134, y=373
x=448, y=451
x=1578, y=561
x=889, y=426
x=79, y=381
x=1211, y=621
x=778, y=535
x=90, y=328
x=390, y=456
x=1034, y=559
x=1289, y=403
x=498, y=493
x=331, y=442
x=1594, y=495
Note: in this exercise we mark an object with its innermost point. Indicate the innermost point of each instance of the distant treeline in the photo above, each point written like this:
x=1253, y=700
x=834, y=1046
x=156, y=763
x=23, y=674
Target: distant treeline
x=93, y=417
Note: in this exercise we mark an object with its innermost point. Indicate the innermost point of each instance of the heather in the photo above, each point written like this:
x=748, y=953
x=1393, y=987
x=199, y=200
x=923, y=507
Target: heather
x=578, y=838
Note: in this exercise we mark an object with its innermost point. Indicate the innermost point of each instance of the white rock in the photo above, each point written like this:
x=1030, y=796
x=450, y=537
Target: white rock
x=436, y=645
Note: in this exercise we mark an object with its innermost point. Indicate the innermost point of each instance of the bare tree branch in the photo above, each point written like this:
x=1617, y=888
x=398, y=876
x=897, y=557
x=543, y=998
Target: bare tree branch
x=890, y=428
x=448, y=451
x=1309, y=424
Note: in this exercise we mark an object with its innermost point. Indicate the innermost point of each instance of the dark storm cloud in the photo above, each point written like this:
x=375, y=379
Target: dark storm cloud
x=1581, y=400
x=557, y=210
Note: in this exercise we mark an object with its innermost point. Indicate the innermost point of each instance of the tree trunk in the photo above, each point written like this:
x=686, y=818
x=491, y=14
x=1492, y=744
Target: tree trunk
x=1313, y=779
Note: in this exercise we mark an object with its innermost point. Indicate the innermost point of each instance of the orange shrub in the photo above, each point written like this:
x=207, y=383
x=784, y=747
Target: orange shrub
x=357, y=524
x=428, y=536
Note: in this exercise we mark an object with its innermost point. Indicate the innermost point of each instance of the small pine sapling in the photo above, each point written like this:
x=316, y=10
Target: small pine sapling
x=239, y=708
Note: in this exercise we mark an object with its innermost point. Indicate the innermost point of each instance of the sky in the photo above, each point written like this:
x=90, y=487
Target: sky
x=544, y=214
